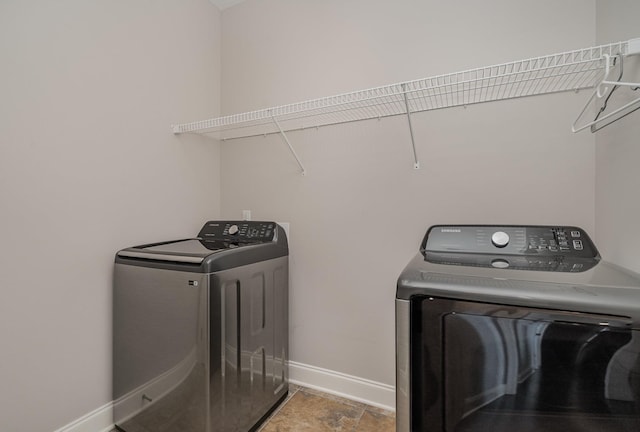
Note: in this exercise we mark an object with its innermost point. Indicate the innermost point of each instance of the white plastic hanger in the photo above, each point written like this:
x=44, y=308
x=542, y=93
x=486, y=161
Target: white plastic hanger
x=600, y=93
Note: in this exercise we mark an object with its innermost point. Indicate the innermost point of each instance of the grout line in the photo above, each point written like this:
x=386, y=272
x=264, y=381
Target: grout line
x=355, y=427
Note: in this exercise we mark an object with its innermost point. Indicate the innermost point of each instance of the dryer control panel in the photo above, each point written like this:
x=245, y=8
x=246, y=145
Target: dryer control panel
x=550, y=248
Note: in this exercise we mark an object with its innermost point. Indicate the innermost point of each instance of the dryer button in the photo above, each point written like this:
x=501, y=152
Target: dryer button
x=500, y=239
x=500, y=263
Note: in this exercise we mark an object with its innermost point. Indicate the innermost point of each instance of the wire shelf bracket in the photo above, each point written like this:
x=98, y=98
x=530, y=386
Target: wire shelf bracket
x=586, y=68
x=293, y=152
x=416, y=162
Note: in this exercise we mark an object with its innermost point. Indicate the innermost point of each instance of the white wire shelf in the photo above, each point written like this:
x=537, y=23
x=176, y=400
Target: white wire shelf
x=569, y=71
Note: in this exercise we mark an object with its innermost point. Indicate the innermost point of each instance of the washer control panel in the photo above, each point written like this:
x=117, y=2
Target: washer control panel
x=238, y=231
x=509, y=240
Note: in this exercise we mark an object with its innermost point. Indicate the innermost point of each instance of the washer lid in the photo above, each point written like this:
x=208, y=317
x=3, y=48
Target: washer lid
x=220, y=245
x=186, y=251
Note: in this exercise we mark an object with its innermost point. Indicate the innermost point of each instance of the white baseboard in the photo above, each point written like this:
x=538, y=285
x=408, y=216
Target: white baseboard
x=328, y=381
x=347, y=386
x=98, y=420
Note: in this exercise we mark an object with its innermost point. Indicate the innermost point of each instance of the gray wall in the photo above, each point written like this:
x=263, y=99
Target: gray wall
x=617, y=149
x=360, y=213
x=88, y=165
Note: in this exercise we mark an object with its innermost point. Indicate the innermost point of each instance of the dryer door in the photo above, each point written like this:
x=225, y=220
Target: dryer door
x=478, y=367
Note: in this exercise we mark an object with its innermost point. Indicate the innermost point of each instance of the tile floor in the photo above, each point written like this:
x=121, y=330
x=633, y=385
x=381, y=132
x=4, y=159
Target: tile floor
x=307, y=410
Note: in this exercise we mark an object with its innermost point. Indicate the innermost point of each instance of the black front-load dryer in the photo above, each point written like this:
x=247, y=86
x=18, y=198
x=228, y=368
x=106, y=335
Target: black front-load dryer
x=516, y=328
x=200, y=327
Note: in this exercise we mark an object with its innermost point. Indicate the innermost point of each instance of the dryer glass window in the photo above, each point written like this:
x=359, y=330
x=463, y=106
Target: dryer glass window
x=503, y=374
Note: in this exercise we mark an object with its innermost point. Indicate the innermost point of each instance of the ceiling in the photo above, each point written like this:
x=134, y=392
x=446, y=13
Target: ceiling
x=224, y=4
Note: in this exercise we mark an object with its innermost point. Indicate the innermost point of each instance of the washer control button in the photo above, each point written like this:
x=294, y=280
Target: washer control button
x=233, y=229
x=500, y=239
x=577, y=244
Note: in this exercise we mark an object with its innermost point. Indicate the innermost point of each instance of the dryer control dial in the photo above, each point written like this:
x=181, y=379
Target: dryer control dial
x=500, y=239
x=233, y=229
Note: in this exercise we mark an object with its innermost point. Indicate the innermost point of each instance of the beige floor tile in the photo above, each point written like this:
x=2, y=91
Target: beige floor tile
x=376, y=421
x=306, y=412
x=339, y=399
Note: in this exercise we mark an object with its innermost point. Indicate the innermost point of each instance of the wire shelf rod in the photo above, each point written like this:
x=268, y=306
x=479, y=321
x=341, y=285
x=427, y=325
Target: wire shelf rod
x=340, y=121
x=572, y=70
x=375, y=110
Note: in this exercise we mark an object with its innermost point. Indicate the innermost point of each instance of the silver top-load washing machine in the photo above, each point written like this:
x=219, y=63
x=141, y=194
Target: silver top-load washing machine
x=516, y=328
x=200, y=330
